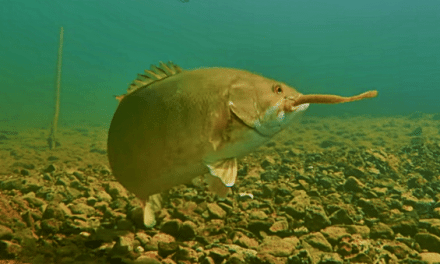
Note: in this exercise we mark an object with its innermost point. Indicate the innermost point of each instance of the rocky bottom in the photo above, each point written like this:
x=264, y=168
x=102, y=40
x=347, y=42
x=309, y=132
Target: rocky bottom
x=335, y=190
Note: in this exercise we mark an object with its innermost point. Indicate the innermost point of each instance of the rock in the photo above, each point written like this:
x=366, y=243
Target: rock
x=124, y=244
x=331, y=258
x=381, y=230
x=54, y=211
x=32, y=200
x=165, y=249
x=172, y=227
x=186, y=254
x=280, y=228
x=11, y=184
x=432, y=225
x=5, y=232
x=267, y=163
x=218, y=254
x=156, y=239
x=215, y=211
x=400, y=250
x=295, y=210
x=50, y=168
x=244, y=241
x=147, y=260
x=115, y=190
x=47, y=177
x=142, y=238
x=188, y=230
x=80, y=208
x=62, y=181
x=299, y=257
x=315, y=218
x=277, y=246
x=124, y=224
x=103, y=196
x=9, y=250
x=429, y=257
x=51, y=225
x=236, y=258
x=372, y=207
x=79, y=175
x=428, y=241
x=317, y=240
x=341, y=217
x=406, y=227
x=354, y=185
x=269, y=176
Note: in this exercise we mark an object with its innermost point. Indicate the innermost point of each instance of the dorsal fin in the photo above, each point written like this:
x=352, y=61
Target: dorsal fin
x=154, y=74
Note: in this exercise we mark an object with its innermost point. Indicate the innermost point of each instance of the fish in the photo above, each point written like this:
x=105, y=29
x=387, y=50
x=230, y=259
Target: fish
x=173, y=125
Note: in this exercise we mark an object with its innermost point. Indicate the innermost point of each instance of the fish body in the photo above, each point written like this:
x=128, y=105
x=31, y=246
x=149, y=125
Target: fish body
x=170, y=131
x=174, y=125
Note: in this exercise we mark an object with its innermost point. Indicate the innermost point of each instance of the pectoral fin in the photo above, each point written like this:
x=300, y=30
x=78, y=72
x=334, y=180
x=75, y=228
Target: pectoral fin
x=225, y=170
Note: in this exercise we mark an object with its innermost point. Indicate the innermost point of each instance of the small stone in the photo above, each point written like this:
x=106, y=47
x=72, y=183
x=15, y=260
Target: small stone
x=50, y=168
x=280, y=228
x=62, y=181
x=341, y=217
x=91, y=201
x=165, y=249
x=79, y=175
x=171, y=227
x=31, y=199
x=11, y=184
x=51, y=225
x=381, y=230
x=142, y=238
x=317, y=240
x=5, y=232
x=84, y=234
x=147, y=260
x=124, y=244
x=81, y=208
x=215, y=211
x=9, y=249
x=52, y=158
x=258, y=215
x=115, y=190
x=353, y=184
x=276, y=246
x=315, y=218
x=269, y=176
x=244, y=241
x=188, y=230
x=218, y=254
x=47, y=177
x=139, y=249
x=428, y=241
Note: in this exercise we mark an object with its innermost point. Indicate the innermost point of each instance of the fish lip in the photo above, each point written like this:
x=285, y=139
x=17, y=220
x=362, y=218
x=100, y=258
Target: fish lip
x=299, y=108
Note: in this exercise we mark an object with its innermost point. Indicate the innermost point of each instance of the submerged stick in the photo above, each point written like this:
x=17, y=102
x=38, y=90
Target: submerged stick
x=52, y=137
x=332, y=99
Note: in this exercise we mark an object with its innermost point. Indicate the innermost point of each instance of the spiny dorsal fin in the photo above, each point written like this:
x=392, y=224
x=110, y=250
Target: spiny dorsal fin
x=153, y=75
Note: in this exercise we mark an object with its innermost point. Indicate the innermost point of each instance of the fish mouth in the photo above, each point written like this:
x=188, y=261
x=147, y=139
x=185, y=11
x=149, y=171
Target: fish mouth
x=299, y=108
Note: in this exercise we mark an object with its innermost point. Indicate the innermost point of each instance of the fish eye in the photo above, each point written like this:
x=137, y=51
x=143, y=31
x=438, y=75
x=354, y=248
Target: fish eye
x=278, y=89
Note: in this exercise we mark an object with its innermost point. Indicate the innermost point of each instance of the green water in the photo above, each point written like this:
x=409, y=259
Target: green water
x=340, y=47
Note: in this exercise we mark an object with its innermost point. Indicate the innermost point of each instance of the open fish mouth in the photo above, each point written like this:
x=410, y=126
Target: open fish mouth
x=299, y=108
